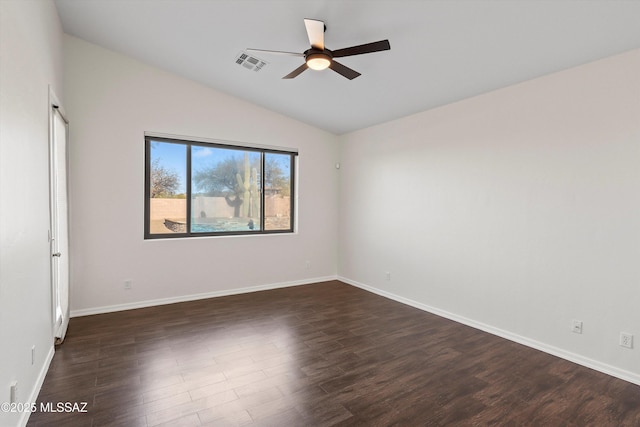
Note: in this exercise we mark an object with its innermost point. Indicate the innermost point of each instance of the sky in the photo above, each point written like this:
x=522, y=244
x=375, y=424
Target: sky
x=173, y=157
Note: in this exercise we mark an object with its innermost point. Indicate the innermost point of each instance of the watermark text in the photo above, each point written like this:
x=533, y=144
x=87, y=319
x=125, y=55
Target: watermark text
x=66, y=407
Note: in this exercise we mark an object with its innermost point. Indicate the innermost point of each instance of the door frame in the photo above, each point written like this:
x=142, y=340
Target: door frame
x=60, y=319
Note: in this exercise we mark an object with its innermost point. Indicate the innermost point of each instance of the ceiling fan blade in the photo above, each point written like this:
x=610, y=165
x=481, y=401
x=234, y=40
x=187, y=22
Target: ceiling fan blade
x=296, y=72
x=345, y=71
x=315, y=31
x=363, y=48
x=279, y=52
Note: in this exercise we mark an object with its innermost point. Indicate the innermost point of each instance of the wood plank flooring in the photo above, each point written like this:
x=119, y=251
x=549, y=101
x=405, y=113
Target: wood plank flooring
x=326, y=354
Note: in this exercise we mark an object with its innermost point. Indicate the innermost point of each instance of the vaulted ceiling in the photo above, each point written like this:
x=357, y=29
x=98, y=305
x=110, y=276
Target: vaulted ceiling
x=441, y=51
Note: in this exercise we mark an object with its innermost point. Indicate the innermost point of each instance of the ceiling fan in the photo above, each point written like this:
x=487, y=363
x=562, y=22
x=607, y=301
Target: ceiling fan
x=318, y=57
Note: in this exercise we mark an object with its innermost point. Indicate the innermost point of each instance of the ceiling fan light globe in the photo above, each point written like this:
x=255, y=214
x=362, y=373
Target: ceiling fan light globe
x=318, y=62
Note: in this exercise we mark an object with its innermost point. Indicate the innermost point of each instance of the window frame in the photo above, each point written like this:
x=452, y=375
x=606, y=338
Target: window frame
x=189, y=142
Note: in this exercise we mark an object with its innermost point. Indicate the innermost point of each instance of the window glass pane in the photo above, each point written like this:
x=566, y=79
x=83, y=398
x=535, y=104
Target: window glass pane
x=167, y=204
x=225, y=190
x=277, y=191
x=199, y=188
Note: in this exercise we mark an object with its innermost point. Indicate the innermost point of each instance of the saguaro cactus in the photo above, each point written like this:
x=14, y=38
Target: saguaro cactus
x=255, y=196
x=246, y=186
x=247, y=190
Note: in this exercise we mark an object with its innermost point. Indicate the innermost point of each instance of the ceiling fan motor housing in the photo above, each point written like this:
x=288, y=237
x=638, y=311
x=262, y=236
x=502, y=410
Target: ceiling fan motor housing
x=318, y=59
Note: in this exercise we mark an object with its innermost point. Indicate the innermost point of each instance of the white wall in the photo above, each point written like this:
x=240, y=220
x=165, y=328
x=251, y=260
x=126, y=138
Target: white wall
x=515, y=211
x=30, y=61
x=111, y=100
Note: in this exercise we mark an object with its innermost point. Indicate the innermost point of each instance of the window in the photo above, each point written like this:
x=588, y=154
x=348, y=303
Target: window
x=198, y=188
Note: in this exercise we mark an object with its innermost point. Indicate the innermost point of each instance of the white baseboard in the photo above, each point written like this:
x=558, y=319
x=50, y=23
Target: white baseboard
x=558, y=352
x=38, y=385
x=194, y=297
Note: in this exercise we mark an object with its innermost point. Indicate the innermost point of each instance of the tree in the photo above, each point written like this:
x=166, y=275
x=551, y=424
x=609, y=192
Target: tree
x=218, y=179
x=236, y=180
x=164, y=181
x=275, y=178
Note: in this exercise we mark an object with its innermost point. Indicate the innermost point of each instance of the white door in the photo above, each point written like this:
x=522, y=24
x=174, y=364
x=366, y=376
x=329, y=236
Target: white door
x=59, y=237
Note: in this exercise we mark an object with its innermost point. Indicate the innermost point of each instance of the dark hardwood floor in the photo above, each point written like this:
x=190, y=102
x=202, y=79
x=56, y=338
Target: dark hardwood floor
x=326, y=354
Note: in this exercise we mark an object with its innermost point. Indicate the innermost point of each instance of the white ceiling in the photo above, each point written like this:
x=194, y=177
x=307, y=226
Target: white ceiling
x=441, y=51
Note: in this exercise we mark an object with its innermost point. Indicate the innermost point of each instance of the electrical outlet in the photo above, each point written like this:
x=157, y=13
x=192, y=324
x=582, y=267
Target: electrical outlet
x=33, y=355
x=626, y=340
x=576, y=326
x=307, y=265
x=388, y=276
x=128, y=284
